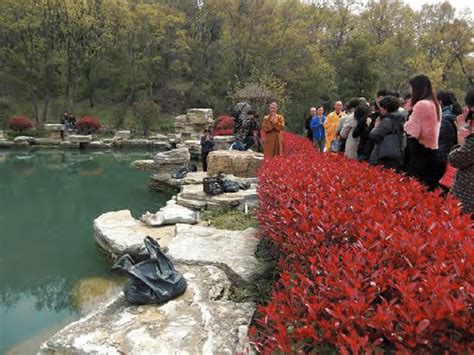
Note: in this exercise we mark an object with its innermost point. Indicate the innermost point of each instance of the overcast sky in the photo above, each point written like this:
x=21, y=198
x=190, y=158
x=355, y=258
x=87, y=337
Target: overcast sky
x=458, y=4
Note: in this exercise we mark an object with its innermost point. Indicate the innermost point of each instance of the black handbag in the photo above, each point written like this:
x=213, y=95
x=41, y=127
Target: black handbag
x=213, y=185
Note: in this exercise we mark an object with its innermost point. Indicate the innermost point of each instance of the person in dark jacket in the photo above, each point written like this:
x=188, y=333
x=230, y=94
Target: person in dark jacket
x=307, y=123
x=390, y=122
x=448, y=132
x=362, y=130
x=207, y=145
x=462, y=157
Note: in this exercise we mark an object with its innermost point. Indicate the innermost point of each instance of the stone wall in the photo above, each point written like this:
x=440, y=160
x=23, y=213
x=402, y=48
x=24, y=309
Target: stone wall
x=193, y=124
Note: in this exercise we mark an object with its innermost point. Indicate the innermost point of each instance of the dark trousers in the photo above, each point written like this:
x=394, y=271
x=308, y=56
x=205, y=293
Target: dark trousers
x=204, y=160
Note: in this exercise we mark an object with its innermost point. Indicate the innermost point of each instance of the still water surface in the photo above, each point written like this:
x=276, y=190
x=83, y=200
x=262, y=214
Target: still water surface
x=48, y=201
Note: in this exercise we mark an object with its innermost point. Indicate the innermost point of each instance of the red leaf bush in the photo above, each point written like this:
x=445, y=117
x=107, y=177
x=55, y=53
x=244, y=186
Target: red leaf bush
x=20, y=123
x=369, y=261
x=224, y=126
x=88, y=125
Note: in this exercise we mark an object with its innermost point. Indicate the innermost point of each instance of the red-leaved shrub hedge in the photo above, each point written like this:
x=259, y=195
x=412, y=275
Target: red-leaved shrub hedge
x=20, y=123
x=224, y=126
x=369, y=261
x=88, y=125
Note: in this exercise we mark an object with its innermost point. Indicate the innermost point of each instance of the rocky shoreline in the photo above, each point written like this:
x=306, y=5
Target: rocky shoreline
x=205, y=319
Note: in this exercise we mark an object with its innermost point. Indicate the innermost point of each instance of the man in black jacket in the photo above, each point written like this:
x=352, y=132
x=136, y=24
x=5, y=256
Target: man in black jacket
x=309, y=132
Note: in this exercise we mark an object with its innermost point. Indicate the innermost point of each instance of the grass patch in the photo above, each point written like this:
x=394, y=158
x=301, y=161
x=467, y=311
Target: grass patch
x=230, y=220
x=259, y=288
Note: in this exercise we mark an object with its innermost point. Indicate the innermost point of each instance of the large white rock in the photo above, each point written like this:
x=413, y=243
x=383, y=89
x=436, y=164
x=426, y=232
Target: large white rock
x=122, y=135
x=201, y=321
x=233, y=251
x=2, y=135
x=200, y=116
x=168, y=162
x=118, y=233
x=78, y=138
x=223, y=142
x=170, y=214
x=20, y=140
x=244, y=164
x=194, y=147
x=174, y=156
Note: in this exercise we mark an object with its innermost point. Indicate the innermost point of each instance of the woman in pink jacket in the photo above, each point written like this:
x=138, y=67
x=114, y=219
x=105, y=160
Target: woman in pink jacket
x=422, y=129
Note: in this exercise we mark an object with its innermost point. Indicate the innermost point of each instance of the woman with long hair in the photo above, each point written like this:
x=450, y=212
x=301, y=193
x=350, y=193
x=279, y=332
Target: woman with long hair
x=422, y=129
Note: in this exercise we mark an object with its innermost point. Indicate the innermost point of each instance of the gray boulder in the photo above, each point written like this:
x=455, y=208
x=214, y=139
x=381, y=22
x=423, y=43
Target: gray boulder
x=168, y=162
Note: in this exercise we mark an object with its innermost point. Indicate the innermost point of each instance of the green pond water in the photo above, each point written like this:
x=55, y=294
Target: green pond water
x=48, y=201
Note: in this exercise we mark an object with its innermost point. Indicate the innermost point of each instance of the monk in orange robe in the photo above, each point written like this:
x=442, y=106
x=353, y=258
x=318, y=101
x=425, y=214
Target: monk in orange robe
x=331, y=124
x=273, y=124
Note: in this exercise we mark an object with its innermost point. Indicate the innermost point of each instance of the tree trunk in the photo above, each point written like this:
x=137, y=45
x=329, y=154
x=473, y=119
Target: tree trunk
x=44, y=114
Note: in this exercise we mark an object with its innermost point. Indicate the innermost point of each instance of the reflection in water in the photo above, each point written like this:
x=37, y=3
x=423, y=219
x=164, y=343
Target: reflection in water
x=91, y=292
x=49, y=263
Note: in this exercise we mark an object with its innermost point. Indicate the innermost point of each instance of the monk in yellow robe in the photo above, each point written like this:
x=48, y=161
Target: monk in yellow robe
x=272, y=125
x=331, y=124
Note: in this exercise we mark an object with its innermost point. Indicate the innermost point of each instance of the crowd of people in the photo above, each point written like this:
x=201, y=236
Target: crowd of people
x=424, y=135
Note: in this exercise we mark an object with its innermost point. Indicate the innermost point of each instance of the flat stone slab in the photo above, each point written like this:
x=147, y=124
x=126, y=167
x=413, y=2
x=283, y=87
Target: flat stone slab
x=193, y=196
x=122, y=135
x=160, y=181
x=6, y=144
x=78, y=138
x=233, y=251
x=67, y=144
x=53, y=126
x=201, y=321
x=170, y=214
x=47, y=141
x=118, y=233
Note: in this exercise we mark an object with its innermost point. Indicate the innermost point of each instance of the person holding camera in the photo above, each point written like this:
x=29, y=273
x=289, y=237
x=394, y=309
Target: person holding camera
x=207, y=145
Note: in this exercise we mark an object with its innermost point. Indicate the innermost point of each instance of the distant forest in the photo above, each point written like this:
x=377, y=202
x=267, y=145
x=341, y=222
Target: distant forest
x=90, y=55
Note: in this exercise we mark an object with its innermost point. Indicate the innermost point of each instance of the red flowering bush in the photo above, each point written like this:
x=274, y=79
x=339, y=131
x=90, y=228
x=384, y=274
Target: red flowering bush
x=88, y=125
x=224, y=126
x=20, y=123
x=369, y=261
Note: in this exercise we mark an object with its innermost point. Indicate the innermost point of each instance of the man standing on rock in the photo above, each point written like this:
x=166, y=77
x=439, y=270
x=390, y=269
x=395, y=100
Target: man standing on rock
x=272, y=125
x=207, y=145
